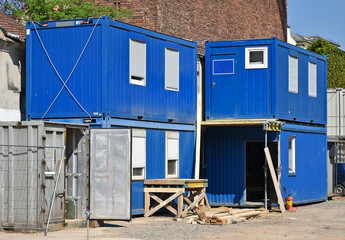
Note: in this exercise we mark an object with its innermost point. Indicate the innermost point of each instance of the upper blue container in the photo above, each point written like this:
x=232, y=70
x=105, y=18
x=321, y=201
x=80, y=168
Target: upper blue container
x=265, y=78
x=124, y=72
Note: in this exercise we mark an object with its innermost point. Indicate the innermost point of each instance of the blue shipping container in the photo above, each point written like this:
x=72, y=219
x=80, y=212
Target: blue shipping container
x=234, y=157
x=89, y=68
x=264, y=78
x=155, y=149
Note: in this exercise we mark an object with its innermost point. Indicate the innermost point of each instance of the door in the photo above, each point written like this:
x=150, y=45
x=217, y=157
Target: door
x=224, y=85
x=255, y=177
x=110, y=174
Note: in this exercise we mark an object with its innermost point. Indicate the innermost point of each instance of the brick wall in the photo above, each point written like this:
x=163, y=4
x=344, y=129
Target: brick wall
x=213, y=20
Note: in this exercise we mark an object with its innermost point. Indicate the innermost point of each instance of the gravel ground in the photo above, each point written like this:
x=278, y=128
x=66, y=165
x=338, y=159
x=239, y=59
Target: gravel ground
x=324, y=220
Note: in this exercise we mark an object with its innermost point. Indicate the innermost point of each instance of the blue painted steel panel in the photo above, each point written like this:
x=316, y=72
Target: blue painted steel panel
x=100, y=81
x=263, y=92
x=309, y=184
x=226, y=158
x=225, y=162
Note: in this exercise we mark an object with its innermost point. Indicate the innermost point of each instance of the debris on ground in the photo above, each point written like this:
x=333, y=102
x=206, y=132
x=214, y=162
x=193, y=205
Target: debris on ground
x=222, y=216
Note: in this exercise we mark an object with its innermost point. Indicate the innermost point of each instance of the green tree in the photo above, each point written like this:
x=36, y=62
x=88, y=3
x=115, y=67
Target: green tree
x=42, y=10
x=335, y=62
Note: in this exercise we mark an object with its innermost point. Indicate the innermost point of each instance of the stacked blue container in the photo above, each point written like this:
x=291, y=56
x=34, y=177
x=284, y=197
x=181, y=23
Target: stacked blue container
x=258, y=83
x=114, y=75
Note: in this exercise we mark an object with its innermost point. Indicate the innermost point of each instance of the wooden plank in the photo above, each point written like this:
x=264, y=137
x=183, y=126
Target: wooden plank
x=163, y=190
x=147, y=202
x=173, y=181
x=155, y=209
x=167, y=206
x=207, y=204
x=237, y=211
x=180, y=205
x=186, y=199
x=248, y=214
x=194, y=204
x=275, y=181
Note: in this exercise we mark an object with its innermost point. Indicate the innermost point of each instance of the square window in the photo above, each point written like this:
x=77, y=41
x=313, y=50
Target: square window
x=138, y=154
x=312, y=79
x=137, y=62
x=172, y=154
x=293, y=74
x=256, y=58
x=172, y=69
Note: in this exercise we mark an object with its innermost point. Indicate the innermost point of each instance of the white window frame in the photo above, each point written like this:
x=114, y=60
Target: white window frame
x=176, y=69
x=312, y=79
x=292, y=155
x=249, y=65
x=174, y=135
x=138, y=134
x=293, y=76
x=140, y=82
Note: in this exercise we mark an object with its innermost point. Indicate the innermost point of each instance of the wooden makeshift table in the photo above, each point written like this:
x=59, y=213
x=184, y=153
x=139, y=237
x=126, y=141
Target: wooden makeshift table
x=164, y=191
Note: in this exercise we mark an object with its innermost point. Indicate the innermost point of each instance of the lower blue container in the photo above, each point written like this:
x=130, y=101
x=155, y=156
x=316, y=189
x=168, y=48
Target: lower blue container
x=234, y=159
x=153, y=140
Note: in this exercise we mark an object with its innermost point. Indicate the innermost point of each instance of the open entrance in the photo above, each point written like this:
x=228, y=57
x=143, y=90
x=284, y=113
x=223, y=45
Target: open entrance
x=255, y=177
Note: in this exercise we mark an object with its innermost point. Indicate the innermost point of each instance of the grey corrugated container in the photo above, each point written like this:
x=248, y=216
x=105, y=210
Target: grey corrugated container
x=30, y=154
x=335, y=112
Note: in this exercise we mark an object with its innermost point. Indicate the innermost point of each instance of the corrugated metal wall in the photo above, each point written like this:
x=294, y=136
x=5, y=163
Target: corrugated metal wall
x=155, y=162
x=100, y=82
x=152, y=102
x=309, y=184
x=25, y=200
x=225, y=161
x=263, y=92
x=64, y=45
x=299, y=107
x=226, y=158
x=335, y=112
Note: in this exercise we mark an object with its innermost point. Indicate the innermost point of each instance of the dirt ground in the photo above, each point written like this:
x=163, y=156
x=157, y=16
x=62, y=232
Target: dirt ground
x=324, y=220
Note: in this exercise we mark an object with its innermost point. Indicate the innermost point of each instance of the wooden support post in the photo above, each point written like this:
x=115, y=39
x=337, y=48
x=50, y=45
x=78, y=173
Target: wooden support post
x=147, y=202
x=180, y=205
x=274, y=178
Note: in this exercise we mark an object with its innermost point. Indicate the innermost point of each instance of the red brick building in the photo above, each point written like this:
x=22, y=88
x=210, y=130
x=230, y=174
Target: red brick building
x=213, y=20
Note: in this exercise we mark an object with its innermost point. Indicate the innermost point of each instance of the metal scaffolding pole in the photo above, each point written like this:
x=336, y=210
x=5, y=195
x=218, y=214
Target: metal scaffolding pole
x=265, y=170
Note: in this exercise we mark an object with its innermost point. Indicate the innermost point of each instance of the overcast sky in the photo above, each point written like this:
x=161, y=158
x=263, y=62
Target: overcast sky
x=325, y=18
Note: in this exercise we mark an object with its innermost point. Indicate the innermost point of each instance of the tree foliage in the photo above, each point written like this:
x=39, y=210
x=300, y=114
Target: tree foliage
x=335, y=62
x=42, y=10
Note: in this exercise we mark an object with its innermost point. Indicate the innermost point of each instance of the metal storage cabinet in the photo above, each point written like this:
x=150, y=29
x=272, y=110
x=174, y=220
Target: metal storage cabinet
x=100, y=82
x=241, y=85
x=227, y=164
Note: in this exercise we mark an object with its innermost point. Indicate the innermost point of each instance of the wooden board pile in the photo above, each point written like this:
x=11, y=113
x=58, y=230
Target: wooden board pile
x=222, y=216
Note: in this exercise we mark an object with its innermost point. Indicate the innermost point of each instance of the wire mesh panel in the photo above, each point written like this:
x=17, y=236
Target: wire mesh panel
x=30, y=154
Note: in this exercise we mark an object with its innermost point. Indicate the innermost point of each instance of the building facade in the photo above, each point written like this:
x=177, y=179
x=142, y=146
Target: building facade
x=215, y=20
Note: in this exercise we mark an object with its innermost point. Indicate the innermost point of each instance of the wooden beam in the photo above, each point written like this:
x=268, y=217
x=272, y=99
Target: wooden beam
x=194, y=204
x=163, y=190
x=275, y=181
x=162, y=204
x=167, y=206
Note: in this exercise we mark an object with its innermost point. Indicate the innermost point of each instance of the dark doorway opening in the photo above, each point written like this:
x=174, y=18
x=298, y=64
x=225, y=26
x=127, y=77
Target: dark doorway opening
x=255, y=177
